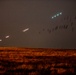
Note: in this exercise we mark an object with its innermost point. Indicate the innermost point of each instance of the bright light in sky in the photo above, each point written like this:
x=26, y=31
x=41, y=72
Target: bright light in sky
x=57, y=14
x=0, y=40
x=25, y=29
x=54, y=15
x=60, y=13
x=7, y=36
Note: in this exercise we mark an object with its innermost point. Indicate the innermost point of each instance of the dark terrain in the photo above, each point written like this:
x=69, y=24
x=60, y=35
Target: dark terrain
x=33, y=61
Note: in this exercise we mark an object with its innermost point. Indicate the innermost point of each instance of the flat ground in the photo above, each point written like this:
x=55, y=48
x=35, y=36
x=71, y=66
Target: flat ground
x=37, y=61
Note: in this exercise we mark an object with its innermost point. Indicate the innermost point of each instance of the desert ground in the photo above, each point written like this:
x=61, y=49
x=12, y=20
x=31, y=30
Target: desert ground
x=37, y=61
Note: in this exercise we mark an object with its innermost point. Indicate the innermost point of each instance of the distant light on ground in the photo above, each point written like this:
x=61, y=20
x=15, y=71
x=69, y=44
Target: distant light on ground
x=7, y=36
x=25, y=30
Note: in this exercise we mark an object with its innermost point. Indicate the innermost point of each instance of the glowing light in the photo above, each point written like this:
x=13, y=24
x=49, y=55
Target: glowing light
x=0, y=40
x=57, y=14
x=25, y=29
x=54, y=15
x=60, y=13
x=7, y=36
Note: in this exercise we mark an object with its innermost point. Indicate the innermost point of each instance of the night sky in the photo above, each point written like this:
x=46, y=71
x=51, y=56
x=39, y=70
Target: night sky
x=38, y=23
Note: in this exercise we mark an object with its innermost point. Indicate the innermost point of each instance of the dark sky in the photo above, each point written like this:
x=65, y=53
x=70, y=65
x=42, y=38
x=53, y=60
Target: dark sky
x=44, y=32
